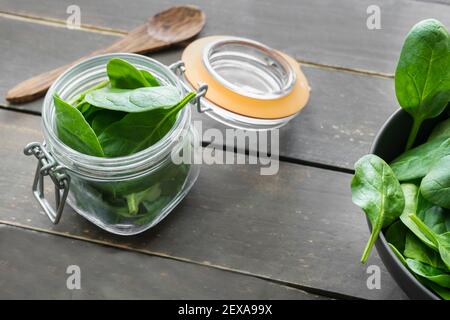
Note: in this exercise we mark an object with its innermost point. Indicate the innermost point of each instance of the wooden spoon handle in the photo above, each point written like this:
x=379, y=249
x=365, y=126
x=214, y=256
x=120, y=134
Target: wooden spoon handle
x=37, y=86
x=165, y=28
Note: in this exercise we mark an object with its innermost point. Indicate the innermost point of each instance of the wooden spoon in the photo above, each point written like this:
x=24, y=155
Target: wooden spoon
x=166, y=28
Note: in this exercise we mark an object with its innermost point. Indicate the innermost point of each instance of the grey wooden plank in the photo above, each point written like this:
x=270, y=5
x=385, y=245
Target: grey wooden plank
x=298, y=226
x=109, y=273
x=322, y=31
x=336, y=128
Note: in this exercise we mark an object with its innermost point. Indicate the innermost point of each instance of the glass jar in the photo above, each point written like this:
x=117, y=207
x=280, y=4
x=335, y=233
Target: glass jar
x=240, y=83
x=123, y=195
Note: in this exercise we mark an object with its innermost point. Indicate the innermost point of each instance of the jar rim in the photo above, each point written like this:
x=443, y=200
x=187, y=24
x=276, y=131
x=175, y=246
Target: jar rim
x=97, y=167
x=261, y=54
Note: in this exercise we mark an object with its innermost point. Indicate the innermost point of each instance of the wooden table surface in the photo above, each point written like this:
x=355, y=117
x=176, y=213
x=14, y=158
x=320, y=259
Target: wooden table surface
x=237, y=235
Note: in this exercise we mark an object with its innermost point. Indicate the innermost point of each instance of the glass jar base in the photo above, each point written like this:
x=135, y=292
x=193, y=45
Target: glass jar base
x=131, y=228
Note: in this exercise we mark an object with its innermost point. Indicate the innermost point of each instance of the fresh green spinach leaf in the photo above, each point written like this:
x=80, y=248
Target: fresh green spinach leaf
x=436, y=184
x=83, y=106
x=422, y=81
x=80, y=98
x=411, y=193
x=417, y=162
x=398, y=254
x=135, y=100
x=123, y=75
x=396, y=234
x=377, y=191
x=73, y=129
x=442, y=292
x=438, y=276
x=441, y=241
x=441, y=131
x=417, y=250
x=135, y=199
x=433, y=216
x=137, y=131
x=104, y=118
x=150, y=78
x=89, y=112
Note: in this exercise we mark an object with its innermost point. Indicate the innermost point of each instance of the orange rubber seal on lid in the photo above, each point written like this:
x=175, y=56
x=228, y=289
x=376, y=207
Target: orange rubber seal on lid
x=196, y=73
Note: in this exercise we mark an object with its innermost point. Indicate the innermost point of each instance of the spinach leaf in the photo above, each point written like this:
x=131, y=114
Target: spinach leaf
x=153, y=208
x=150, y=195
x=417, y=250
x=442, y=292
x=411, y=193
x=422, y=81
x=417, y=162
x=73, y=130
x=441, y=241
x=440, y=131
x=135, y=100
x=89, y=112
x=438, y=276
x=436, y=184
x=104, y=118
x=83, y=106
x=414, y=203
x=398, y=254
x=377, y=191
x=137, y=131
x=124, y=75
x=150, y=78
x=433, y=216
x=80, y=98
x=396, y=234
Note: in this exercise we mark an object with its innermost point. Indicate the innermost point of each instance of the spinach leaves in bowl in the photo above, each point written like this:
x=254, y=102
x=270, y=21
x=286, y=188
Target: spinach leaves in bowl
x=408, y=199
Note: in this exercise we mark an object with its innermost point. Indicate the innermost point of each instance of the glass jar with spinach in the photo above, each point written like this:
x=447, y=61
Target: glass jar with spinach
x=112, y=125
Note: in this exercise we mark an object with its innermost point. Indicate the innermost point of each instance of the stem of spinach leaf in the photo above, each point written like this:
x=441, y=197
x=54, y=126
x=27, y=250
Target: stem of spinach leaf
x=132, y=205
x=413, y=134
x=373, y=237
x=425, y=229
x=81, y=96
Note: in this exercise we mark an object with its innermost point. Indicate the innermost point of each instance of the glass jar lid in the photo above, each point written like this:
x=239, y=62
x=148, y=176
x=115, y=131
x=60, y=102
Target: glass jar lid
x=250, y=85
x=249, y=68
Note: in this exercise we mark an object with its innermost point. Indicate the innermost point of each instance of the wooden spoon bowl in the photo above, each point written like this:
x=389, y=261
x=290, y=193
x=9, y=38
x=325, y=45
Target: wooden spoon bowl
x=166, y=28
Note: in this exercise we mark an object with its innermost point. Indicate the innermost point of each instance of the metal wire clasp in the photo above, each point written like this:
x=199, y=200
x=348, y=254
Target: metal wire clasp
x=179, y=69
x=203, y=87
x=47, y=166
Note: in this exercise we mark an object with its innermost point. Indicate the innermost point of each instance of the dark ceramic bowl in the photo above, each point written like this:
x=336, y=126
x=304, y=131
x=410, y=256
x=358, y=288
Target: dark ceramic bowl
x=390, y=143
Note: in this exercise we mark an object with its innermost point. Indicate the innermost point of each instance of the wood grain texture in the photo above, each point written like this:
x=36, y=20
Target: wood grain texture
x=323, y=31
x=52, y=47
x=298, y=226
x=166, y=28
x=108, y=273
x=336, y=127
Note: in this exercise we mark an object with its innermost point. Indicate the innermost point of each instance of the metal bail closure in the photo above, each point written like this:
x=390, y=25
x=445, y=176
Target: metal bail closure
x=178, y=69
x=47, y=165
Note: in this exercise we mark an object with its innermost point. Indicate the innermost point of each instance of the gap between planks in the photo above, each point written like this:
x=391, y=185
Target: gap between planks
x=53, y=22
x=294, y=286
x=58, y=23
